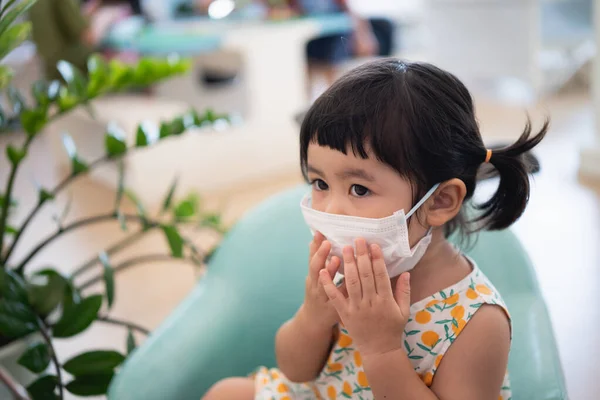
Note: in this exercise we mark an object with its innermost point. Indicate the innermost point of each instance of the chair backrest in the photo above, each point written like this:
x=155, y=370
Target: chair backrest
x=256, y=281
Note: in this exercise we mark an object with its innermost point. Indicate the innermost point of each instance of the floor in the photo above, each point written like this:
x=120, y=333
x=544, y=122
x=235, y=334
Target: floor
x=561, y=231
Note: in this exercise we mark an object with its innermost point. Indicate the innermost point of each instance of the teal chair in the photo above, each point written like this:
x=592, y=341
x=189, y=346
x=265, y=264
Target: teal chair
x=255, y=282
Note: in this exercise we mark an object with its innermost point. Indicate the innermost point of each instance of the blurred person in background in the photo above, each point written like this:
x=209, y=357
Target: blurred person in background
x=71, y=31
x=369, y=37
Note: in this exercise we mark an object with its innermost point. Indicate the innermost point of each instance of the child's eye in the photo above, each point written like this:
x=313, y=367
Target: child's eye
x=319, y=185
x=359, y=191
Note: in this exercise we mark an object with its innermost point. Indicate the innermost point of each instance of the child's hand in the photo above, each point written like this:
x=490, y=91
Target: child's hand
x=317, y=308
x=373, y=316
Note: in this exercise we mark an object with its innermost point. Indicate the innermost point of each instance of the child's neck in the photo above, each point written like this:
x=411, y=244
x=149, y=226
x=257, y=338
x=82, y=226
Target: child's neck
x=441, y=266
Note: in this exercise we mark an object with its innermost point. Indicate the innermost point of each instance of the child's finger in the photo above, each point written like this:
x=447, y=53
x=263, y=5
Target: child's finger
x=402, y=294
x=333, y=293
x=317, y=263
x=333, y=266
x=382, y=279
x=315, y=244
x=365, y=269
x=351, y=276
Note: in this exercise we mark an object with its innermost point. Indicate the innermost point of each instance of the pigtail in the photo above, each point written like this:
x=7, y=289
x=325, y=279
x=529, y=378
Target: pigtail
x=512, y=195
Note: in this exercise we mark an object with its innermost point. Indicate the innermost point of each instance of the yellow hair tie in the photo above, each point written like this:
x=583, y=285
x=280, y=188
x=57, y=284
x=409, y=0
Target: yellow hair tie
x=488, y=156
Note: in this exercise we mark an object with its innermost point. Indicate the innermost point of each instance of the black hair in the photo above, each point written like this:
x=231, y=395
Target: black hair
x=421, y=121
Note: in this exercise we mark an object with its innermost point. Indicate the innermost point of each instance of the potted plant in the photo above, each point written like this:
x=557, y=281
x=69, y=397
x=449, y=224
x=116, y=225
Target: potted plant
x=37, y=306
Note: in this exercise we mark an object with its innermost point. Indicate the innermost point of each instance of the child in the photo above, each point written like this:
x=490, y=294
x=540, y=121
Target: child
x=387, y=137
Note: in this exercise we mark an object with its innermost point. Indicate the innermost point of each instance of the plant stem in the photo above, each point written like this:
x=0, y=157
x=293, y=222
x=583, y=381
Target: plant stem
x=77, y=224
x=7, y=197
x=129, y=325
x=44, y=331
x=126, y=242
x=53, y=192
x=148, y=258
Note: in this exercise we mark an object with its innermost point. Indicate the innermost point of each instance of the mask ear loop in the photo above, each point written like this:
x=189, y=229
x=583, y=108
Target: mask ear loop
x=423, y=200
x=420, y=203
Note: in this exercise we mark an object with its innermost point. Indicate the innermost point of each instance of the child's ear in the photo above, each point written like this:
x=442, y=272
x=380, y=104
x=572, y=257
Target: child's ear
x=446, y=202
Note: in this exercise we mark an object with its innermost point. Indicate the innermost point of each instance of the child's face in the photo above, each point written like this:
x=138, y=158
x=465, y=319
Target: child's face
x=345, y=184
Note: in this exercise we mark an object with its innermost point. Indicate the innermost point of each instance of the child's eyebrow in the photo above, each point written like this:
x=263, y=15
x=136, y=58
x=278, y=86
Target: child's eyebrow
x=310, y=168
x=356, y=173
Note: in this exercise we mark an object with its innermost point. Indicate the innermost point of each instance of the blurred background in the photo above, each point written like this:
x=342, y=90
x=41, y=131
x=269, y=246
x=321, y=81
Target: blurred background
x=261, y=64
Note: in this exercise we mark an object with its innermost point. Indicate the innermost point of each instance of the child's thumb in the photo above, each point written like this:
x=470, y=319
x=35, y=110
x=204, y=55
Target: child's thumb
x=402, y=293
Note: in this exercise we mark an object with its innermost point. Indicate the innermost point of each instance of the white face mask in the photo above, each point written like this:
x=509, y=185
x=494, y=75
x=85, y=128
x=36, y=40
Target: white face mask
x=390, y=233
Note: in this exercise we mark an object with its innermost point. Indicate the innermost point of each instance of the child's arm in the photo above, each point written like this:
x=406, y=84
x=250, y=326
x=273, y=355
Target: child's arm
x=472, y=369
x=302, y=344
x=302, y=348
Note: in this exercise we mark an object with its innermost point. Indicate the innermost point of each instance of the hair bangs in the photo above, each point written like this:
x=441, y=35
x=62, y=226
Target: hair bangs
x=367, y=116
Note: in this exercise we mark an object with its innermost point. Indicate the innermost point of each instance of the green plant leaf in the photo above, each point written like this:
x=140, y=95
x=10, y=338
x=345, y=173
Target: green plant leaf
x=98, y=73
x=169, y=198
x=39, y=90
x=77, y=165
x=109, y=279
x=141, y=137
x=6, y=75
x=177, y=126
x=144, y=72
x=7, y=6
x=94, y=362
x=165, y=130
x=78, y=318
x=43, y=388
x=11, y=230
x=119, y=74
x=66, y=99
x=76, y=81
x=36, y=358
x=13, y=37
x=16, y=100
x=44, y=195
x=15, y=155
x=90, y=385
x=71, y=298
x=16, y=319
x=120, y=183
x=10, y=16
x=115, y=141
x=12, y=287
x=187, y=208
x=33, y=121
x=18, y=310
x=130, y=342
x=210, y=116
x=46, y=290
x=174, y=239
x=13, y=328
x=212, y=221
x=138, y=204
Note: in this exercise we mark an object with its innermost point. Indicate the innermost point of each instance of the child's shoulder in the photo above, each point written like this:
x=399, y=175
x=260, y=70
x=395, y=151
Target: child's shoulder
x=437, y=321
x=471, y=292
